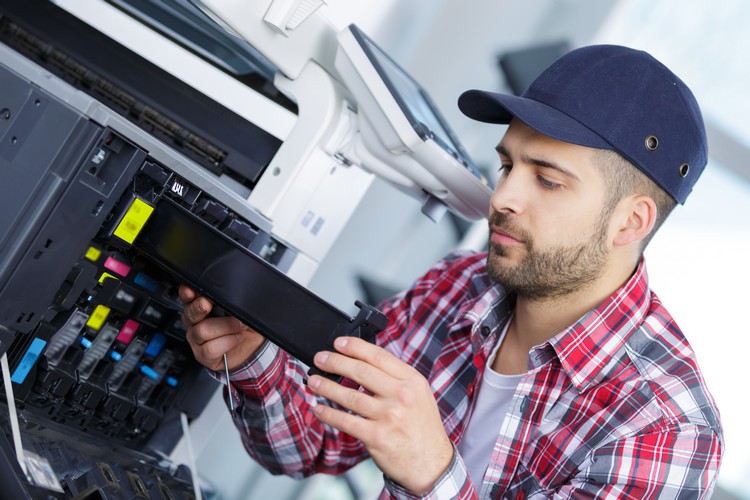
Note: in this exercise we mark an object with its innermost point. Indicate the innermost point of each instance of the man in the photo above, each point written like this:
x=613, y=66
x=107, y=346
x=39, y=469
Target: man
x=545, y=367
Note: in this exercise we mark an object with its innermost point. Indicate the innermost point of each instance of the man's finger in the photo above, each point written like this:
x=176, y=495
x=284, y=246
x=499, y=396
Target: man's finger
x=211, y=353
x=355, y=347
x=361, y=372
x=213, y=328
x=355, y=426
x=196, y=310
x=186, y=294
x=351, y=399
x=216, y=348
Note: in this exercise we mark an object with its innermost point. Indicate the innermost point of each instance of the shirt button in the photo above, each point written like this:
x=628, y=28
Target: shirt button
x=525, y=404
x=485, y=331
x=470, y=390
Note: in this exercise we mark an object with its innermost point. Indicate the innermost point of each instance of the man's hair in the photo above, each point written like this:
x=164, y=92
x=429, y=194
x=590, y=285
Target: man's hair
x=622, y=179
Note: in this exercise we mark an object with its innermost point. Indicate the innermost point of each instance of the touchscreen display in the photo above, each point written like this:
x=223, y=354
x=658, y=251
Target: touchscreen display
x=414, y=102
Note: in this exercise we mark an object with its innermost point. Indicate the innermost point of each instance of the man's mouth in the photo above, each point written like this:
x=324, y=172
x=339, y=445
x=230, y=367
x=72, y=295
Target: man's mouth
x=501, y=237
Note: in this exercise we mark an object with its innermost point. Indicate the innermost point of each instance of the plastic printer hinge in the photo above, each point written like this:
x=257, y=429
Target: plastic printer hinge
x=368, y=322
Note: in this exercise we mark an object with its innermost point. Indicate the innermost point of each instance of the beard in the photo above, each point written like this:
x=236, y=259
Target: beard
x=547, y=273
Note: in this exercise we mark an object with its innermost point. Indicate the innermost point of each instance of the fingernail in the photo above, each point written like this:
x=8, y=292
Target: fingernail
x=314, y=382
x=341, y=341
x=321, y=357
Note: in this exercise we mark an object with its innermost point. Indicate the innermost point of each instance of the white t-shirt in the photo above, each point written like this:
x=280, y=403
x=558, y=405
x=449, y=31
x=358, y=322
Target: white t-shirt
x=493, y=399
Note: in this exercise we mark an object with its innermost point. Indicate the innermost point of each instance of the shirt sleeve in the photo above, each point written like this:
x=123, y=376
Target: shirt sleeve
x=276, y=422
x=673, y=461
x=453, y=484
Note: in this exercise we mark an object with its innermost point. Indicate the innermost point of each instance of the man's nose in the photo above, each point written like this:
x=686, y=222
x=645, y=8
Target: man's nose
x=510, y=193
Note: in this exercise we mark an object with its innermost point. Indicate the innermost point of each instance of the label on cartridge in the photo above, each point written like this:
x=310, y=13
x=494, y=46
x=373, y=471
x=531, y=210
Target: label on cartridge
x=153, y=314
x=156, y=345
x=146, y=282
x=117, y=266
x=96, y=352
x=39, y=468
x=133, y=220
x=98, y=317
x=164, y=361
x=28, y=361
x=118, y=296
x=153, y=375
x=127, y=331
x=65, y=337
x=183, y=190
x=93, y=254
x=125, y=366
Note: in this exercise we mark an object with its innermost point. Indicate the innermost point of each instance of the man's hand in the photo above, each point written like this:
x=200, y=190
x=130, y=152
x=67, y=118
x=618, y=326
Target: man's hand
x=211, y=338
x=398, y=421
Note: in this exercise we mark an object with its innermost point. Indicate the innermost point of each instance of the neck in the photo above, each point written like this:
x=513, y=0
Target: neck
x=536, y=321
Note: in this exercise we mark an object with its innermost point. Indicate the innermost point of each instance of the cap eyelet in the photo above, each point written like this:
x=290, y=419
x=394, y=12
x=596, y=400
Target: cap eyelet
x=684, y=169
x=652, y=142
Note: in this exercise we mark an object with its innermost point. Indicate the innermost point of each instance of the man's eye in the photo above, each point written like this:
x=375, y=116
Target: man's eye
x=505, y=168
x=547, y=184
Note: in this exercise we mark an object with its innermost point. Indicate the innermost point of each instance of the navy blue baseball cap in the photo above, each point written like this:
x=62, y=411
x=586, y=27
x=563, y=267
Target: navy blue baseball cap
x=616, y=98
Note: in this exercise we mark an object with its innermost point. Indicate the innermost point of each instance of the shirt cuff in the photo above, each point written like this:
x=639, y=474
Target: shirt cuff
x=453, y=483
x=262, y=370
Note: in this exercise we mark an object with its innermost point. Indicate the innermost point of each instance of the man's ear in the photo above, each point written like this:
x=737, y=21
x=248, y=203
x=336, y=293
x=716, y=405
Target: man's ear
x=635, y=217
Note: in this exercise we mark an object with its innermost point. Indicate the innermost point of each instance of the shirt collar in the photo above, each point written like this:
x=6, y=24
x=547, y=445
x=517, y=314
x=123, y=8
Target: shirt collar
x=490, y=309
x=587, y=348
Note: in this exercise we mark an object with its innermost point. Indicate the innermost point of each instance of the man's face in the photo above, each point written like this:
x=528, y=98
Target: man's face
x=548, y=222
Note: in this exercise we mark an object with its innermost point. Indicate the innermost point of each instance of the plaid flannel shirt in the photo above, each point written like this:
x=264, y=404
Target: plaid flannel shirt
x=615, y=406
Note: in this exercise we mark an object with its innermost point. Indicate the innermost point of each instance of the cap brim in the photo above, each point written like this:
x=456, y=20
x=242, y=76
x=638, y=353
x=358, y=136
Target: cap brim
x=491, y=107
